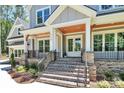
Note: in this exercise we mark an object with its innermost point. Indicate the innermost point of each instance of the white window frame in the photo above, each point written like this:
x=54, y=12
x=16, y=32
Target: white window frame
x=42, y=9
x=43, y=39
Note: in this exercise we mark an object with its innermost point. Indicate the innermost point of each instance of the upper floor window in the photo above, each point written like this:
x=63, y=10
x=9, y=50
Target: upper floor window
x=108, y=7
x=105, y=7
x=42, y=15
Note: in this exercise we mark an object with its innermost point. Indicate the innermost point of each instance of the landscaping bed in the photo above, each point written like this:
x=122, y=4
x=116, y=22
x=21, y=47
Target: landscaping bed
x=109, y=75
x=24, y=75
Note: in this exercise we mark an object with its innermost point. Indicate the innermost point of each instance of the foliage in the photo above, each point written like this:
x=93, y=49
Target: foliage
x=21, y=69
x=103, y=84
x=12, y=60
x=33, y=66
x=119, y=84
x=33, y=72
x=109, y=75
x=8, y=15
x=121, y=75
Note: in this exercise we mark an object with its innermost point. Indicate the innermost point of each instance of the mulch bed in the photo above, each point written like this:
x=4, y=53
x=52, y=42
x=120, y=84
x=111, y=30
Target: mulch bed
x=22, y=78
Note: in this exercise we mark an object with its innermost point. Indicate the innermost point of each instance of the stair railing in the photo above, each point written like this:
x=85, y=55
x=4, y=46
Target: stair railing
x=45, y=61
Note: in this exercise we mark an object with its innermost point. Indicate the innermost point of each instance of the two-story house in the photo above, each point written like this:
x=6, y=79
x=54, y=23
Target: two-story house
x=99, y=29
x=67, y=29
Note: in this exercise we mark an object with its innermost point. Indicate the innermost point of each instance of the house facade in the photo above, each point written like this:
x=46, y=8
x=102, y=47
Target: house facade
x=15, y=38
x=69, y=28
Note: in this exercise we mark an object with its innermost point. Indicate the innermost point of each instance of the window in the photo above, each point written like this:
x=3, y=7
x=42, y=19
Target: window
x=106, y=7
x=109, y=42
x=44, y=46
x=120, y=41
x=41, y=46
x=77, y=44
x=19, y=31
x=42, y=15
x=15, y=53
x=97, y=42
x=19, y=53
x=70, y=45
x=47, y=45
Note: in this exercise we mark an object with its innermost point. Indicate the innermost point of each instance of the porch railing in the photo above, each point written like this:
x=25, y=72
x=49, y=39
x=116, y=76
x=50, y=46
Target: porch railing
x=36, y=54
x=109, y=55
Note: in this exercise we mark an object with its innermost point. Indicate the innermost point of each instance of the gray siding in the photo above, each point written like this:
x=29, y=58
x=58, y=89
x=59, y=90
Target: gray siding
x=67, y=15
x=33, y=13
x=15, y=32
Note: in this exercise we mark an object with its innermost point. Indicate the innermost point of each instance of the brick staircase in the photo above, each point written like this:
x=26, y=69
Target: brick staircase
x=66, y=72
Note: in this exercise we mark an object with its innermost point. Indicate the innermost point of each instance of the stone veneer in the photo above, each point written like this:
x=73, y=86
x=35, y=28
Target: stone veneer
x=116, y=67
x=89, y=57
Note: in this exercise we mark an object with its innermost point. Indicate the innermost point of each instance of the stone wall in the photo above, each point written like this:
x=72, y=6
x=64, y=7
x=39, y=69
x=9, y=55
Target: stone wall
x=89, y=57
x=116, y=67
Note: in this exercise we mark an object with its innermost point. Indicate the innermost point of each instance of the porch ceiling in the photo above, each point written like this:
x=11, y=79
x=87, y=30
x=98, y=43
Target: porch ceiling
x=73, y=28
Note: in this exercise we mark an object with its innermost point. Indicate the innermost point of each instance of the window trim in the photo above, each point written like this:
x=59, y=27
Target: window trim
x=43, y=13
x=43, y=44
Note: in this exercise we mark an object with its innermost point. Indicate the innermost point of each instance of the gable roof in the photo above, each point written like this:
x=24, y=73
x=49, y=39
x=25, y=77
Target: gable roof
x=82, y=9
x=15, y=24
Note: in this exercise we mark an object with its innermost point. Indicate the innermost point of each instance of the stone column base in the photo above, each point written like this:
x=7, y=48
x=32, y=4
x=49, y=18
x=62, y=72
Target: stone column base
x=88, y=57
x=92, y=73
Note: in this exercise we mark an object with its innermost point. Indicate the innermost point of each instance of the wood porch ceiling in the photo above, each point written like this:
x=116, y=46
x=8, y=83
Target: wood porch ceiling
x=73, y=28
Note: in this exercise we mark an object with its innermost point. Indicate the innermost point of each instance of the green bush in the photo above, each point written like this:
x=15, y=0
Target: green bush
x=21, y=69
x=33, y=66
x=121, y=75
x=119, y=84
x=33, y=72
x=109, y=75
x=12, y=60
x=103, y=84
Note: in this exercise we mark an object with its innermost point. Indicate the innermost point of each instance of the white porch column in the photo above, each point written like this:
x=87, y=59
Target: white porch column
x=52, y=39
x=61, y=45
x=116, y=41
x=25, y=44
x=88, y=36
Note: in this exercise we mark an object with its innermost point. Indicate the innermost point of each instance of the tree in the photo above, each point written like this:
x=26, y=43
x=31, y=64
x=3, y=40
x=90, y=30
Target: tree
x=8, y=15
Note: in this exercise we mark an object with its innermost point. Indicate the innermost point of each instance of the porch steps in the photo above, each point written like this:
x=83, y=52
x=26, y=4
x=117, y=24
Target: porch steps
x=66, y=72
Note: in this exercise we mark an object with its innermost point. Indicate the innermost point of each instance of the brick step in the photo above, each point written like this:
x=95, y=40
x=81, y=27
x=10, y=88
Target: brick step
x=63, y=77
x=66, y=65
x=63, y=83
x=74, y=74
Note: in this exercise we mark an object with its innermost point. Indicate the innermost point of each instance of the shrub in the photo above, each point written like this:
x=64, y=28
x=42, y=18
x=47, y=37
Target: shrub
x=12, y=60
x=33, y=72
x=33, y=66
x=109, y=75
x=21, y=69
x=103, y=84
x=119, y=84
x=121, y=75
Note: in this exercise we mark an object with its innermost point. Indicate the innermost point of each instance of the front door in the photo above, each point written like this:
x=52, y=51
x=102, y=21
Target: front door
x=74, y=45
